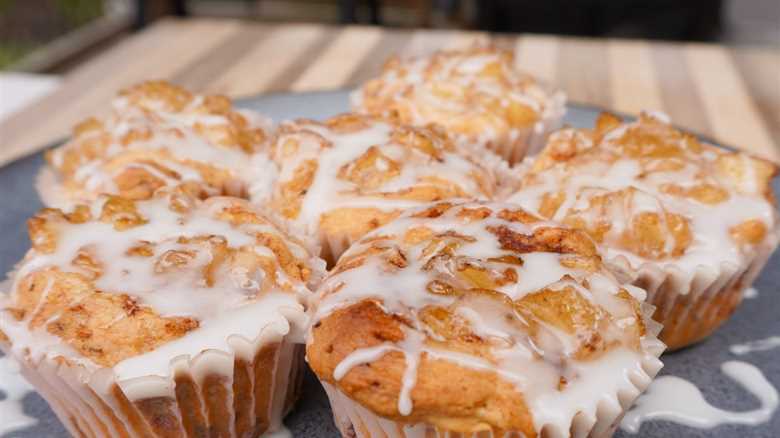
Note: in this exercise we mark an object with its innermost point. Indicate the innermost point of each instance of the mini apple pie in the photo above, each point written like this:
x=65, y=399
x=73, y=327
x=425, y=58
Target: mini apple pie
x=691, y=223
x=167, y=317
x=478, y=94
x=345, y=176
x=158, y=135
x=479, y=320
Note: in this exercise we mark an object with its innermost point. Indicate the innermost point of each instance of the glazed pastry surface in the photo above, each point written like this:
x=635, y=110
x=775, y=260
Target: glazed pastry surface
x=478, y=94
x=157, y=135
x=481, y=316
x=131, y=285
x=652, y=194
x=350, y=174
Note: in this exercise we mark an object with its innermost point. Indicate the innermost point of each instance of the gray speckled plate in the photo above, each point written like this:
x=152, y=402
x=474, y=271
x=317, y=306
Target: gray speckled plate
x=756, y=318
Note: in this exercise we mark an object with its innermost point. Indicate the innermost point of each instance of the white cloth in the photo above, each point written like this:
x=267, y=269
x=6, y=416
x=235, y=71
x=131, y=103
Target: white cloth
x=18, y=90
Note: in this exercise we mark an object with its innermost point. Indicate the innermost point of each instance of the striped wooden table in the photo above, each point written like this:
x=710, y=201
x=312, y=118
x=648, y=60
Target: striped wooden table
x=729, y=94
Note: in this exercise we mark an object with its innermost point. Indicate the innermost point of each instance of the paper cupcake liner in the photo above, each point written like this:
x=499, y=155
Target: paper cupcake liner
x=240, y=394
x=530, y=140
x=692, y=306
x=355, y=421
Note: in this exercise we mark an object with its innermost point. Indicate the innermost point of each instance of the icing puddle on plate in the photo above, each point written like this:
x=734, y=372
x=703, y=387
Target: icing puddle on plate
x=13, y=388
x=674, y=399
x=750, y=293
x=759, y=345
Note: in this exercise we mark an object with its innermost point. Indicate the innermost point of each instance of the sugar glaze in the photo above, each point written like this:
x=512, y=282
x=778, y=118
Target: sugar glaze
x=672, y=398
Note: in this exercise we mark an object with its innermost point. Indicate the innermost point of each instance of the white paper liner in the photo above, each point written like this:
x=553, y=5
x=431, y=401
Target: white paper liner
x=530, y=140
x=355, y=421
x=691, y=306
x=241, y=393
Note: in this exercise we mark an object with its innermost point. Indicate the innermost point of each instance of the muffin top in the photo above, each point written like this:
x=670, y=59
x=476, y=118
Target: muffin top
x=351, y=173
x=133, y=284
x=156, y=135
x=653, y=194
x=480, y=316
x=476, y=92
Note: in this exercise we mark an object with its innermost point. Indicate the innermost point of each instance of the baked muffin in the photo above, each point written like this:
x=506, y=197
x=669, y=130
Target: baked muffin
x=479, y=320
x=343, y=177
x=476, y=93
x=156, y=135
x=167, y=317
x=691, y=223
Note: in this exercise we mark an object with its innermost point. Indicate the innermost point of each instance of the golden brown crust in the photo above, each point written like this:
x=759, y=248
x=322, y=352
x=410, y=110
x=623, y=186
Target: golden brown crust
x=448, y=395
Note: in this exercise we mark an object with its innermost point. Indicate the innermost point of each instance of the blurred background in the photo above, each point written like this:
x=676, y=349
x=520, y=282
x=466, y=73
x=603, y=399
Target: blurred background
x=51, y=36
x=42, y=40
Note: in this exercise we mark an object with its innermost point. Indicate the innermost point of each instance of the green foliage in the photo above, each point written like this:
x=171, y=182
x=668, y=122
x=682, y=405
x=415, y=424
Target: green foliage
x=12, y=52
x=78, y=12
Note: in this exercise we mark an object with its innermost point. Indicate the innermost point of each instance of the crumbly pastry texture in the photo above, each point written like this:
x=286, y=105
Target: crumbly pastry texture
x=479, y=319
x=349, y=174
x=161, y=317
x=478, y=94
x=691, y=223
x=157, y=134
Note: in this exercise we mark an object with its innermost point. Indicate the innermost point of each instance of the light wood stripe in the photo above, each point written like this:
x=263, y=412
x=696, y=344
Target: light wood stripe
x=680, y=96
x=760, y=70
x=204, y=70
x=583, y=73
x=392, y=43
x=464, y=40
x=635, y=86
x=424, y=42
x=538, y=55
x=334, y=66
x=259, y=69
x=733, y=116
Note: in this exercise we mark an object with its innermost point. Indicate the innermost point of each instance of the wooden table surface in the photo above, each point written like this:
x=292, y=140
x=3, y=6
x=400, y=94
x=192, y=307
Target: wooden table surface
x=729, y=94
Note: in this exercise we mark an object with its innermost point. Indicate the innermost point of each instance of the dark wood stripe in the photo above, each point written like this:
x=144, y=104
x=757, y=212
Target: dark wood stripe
x=391, y=43
x=760, y=70
x=679, y=93
x=285, y=79
x=503, y=41
x=207, y=67
x=583, y=71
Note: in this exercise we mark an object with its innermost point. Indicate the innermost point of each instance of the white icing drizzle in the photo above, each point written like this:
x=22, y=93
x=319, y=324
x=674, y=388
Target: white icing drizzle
x=238, y=305
x=176, y=139
x=334, y=151
x=758, y=345
x=675, y=399
x=281, y=432
x=13, y=388
x=750, y=293
x=586, y=176
x=534, y=366
x=467, y=91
